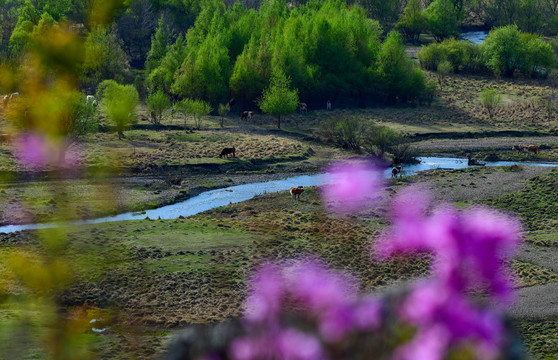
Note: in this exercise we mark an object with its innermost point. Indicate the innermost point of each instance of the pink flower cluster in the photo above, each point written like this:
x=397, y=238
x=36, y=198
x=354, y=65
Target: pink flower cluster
x=469, y=248
x=303, y=311
x=351, y=186
x=325, y=299
x=38, y=152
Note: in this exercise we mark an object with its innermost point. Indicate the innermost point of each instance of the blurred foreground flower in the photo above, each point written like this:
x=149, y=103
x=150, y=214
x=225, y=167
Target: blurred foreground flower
x=351, y=185
x=38, y=152
x=323, y=300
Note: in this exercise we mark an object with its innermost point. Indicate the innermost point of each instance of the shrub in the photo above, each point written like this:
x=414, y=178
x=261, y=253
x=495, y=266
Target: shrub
x=490, y=99
x=223, y=110
x=444, y=68
x=119, y=104
x=429, y=92
x=157, y=104
x=506, y=50
x=380, y=139
x=196, y=108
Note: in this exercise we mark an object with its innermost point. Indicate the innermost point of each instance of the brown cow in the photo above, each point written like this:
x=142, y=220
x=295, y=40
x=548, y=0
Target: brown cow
x=397, y=170
x=247, y=115
x=303, y=108
x=296, y=192
x=227, y=151
x=526, y=148
x=5, y=138
x=530, y=148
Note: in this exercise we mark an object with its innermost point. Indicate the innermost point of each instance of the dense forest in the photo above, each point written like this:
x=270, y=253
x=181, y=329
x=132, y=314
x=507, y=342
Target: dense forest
x=352, y=52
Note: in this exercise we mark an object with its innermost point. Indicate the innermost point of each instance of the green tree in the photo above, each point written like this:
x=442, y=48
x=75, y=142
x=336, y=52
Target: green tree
x=503, y=50
x=413, y=22
x=400, y=78
x=157, y=104
x=490, y=98
x=278, y=99
x=159, y=46
x=223, y=111
x=443, y=19
x=104, y=58
x=119, y=104
x=195, y=108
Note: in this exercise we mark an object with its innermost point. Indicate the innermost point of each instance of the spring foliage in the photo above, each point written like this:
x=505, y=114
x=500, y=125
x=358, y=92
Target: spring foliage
x=329, y=51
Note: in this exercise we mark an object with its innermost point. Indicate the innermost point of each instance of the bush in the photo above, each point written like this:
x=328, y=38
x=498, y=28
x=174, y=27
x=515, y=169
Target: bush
x=119, y=104
x=506, y=50
x=490, y=99
x=195, y=108
x=346, y=132
x=463, y=56
x=157, y=104
x=381, y=139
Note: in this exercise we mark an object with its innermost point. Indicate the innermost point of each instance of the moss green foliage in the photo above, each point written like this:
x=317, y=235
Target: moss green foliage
x=157, y=103
x=119, y=103
x=490, y=98
x=507, y=49
x=413, y=22
x=279, y=99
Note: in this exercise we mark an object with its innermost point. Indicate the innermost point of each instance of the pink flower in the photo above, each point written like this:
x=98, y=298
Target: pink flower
x=264, y=303
x=318, y=288
x=295, y=345
x=351, y=186
x=33, y=151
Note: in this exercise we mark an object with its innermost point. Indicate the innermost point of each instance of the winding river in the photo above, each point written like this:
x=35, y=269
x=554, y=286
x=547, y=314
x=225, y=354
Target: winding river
x=220, y=197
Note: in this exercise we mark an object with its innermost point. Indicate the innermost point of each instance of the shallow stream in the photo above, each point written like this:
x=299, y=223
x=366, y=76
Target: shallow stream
x=220, y=197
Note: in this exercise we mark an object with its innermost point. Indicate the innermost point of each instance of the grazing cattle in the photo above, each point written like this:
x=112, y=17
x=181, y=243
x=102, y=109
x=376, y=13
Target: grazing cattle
x=90, y=100
x=526, y=148
x=227, y=151
x=5, y=138
x=530, y=148
x=296, y=192
x=397, y=170
x=519, y=148
x=232, y=102
x=303, y=108
x=247, y=115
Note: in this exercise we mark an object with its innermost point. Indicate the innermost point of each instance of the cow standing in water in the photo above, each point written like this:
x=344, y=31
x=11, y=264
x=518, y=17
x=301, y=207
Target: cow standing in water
x=227, y=151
